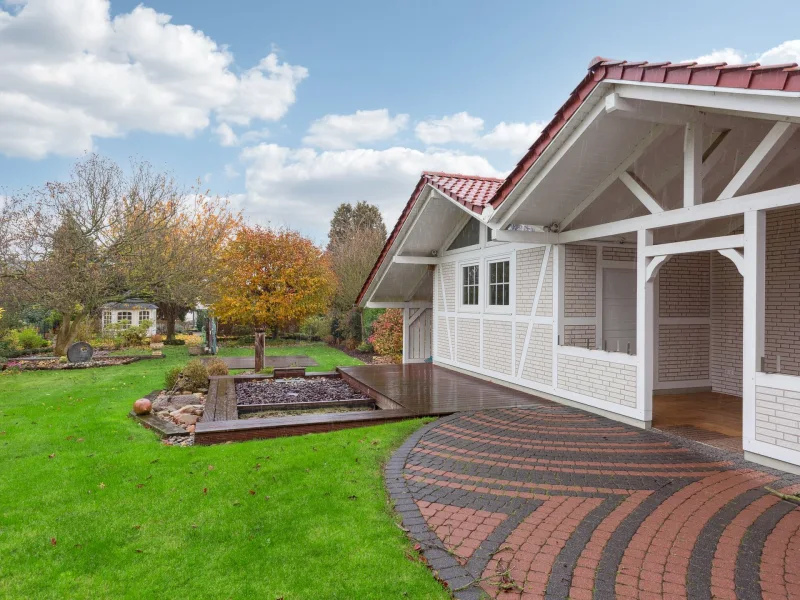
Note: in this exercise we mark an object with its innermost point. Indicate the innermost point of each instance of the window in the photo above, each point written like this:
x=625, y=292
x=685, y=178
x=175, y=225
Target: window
x=106, y=318
x=499, y=283
x=125, y=316
x=144, y=315
x=469, y=285
x=470, y=235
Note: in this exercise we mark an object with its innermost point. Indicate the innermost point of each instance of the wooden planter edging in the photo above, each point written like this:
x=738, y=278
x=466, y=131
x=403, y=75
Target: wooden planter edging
x=218, y=432
x=161, y=427
x=256, y=377
x=220, y=401
x=251, y=408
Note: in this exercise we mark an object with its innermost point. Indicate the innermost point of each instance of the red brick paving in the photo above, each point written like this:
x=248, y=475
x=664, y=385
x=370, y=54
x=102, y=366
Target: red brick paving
x=639, y=507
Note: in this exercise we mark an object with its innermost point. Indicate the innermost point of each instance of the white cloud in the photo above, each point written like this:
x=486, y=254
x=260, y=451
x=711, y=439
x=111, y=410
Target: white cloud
x=70, y=74
x=342, y=132
x=458, y=128
x=463, y=128
x=231, y=172
x=514, y=137
x=302, y=187
x=787, y=52
x=227, y=137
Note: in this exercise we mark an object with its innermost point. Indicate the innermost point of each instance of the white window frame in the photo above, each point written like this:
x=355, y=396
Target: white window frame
x=147, y=318
x=499, y=308
x=469, y=307
x=443, y=251
x=119, y=318
x=108, y=317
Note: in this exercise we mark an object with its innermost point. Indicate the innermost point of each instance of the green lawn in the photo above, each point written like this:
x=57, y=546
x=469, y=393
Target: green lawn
x=93, y=506
x=327, y=357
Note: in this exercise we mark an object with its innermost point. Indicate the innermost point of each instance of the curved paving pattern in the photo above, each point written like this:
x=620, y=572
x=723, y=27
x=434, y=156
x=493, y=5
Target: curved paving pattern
x=551, y=502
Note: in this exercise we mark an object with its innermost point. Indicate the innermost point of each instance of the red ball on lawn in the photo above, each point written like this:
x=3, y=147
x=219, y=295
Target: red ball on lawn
x=142, y=406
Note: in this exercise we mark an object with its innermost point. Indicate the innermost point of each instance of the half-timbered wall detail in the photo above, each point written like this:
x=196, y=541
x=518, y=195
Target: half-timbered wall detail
x=497, y=346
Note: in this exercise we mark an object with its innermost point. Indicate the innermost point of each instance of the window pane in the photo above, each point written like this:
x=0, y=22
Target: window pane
x=470, y=235
x=505, y=294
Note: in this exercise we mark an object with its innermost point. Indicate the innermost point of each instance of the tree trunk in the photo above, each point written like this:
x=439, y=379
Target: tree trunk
x=66, y=335
x=169, y=317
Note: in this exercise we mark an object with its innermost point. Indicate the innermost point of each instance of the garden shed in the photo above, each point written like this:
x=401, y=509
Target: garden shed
x=133, y=311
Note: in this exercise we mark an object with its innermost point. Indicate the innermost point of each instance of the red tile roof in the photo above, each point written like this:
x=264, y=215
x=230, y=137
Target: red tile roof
x=752, y=76
x=478, y=192
x=471, y=191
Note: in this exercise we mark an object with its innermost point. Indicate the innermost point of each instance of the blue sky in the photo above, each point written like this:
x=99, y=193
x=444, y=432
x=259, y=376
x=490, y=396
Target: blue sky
x=446, y=85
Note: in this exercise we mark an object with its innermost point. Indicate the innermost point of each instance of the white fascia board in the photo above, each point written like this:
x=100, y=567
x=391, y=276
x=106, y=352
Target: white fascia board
x=586, y=114
x=415, y=260
x=411, y=304
x=769, y=199
x=416, y=211
x=760, y=104
x=526, y=237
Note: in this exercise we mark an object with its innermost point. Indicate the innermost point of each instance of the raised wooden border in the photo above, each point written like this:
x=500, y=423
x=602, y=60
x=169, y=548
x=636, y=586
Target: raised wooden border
x=160, y=426
x=251, y=408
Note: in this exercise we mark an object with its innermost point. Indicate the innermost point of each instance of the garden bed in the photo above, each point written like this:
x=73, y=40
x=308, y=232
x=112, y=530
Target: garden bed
x=54, y=364
x=295, y=391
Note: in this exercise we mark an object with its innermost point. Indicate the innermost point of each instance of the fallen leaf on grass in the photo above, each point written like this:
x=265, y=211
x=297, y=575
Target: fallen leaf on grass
x=252, y=492
x=137, y=527
x=102, y=485
x=205, y=490
x=53, y=541
x=353, y=497
x=53, y=455
x=139, y=551
x=139, y=485
x=210, y=467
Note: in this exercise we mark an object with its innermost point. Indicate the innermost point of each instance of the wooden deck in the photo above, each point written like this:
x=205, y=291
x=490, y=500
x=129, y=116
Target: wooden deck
x=427, y=390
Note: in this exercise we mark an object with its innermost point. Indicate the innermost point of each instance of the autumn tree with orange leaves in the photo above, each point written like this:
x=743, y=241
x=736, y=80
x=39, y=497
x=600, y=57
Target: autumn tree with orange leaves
x=272, y=279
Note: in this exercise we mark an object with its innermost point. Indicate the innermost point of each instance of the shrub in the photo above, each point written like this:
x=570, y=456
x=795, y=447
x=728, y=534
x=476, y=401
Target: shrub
x=329, y=339
x=156, y=339
x=216, y=366
x=175, y=342
x=387, y=333
x=190, y=339
x=84, y=331
x=351, y=344
x=267, y=371
x=171, y=377
x=24, y=339
x=365, y=347
x=317, y=327
x=194, y=376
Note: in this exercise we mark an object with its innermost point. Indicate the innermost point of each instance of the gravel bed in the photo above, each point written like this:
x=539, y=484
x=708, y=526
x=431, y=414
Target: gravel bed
x=264, y=414
x=322, y=389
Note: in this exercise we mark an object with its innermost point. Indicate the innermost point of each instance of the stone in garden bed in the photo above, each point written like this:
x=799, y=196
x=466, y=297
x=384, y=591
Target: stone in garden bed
x=289, y=391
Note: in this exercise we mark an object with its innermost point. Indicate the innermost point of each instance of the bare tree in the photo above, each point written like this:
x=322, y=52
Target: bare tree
x=71, y=242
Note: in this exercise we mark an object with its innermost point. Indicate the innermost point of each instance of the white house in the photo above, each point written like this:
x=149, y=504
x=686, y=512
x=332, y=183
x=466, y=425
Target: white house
x=649, y=241
x=131, y=312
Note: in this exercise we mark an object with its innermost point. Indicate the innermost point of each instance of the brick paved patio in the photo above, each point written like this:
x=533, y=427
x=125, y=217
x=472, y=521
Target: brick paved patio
x=551, y=502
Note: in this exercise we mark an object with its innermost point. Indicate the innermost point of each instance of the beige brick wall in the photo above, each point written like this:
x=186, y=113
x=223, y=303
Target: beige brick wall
x=599, y=379
x=442, y=343
x=582, y=336
x=529, y=264
x=469, y=342
x=497, y=346
x=782, y=335
x=448, y=274
x=684, y=352
x=726, y=326
x=580, y=281
x=545, y=308
x=684, y=290
x=684, y=286
x=778, y=417
x=539, y=360
x=619, y=253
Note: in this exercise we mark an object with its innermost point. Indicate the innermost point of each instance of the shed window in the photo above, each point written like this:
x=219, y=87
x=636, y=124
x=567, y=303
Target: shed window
x=469, y=285
x=125, y=317
x=144, y=315
x=470, y=235
x=499, y=283
x=106, y=318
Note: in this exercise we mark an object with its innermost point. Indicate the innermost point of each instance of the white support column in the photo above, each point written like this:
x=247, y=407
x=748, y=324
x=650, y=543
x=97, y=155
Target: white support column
x=558, y=305
x=406, y=329
x=755, y=234
x=645, y=346
x=693, y=164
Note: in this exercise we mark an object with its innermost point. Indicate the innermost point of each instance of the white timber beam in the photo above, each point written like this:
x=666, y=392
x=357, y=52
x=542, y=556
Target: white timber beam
x=703, y=245
x=736, y=257
x=766, y=200
x=655, y=265
x=655, y=133
x=645, y=331
x=640, y=190
x=415, y=304
x=526, y=237
x=406, y=337
x=415, y=260
x=693, y=164
x=747, y=103
x=753, y=317
x=759, y=159
x=653, y=112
